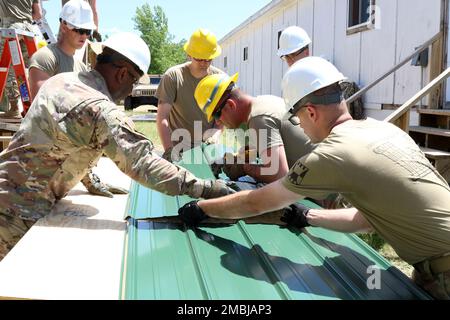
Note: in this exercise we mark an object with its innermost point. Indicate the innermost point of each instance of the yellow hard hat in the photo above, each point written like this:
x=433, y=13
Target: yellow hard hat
x=41, y=43
x=210, y=89
x=203, y=45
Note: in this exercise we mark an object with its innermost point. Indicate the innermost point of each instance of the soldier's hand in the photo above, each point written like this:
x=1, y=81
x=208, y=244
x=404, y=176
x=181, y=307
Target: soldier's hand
x=295, y=216
x=216, y=169
x=216, y=189
x=97, y=36
x=94, y=185
x=234, y=171
x=171, y=155
x=191, y=214
x=116, y=189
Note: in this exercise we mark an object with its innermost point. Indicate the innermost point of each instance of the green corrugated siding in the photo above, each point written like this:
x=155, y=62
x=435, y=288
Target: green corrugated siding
x=166, y=261
x=150, y=204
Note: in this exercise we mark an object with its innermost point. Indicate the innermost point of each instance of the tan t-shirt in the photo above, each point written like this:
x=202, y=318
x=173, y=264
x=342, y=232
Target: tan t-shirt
x=268, y=118
x=177, y=88
x=53, y=60
x=381, y=171
x=18, y=10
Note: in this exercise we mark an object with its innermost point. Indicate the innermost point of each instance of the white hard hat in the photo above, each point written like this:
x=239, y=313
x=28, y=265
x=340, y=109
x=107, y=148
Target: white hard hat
x=306, y=76
x=292, y=39
x=78, y=13
x=130, y=46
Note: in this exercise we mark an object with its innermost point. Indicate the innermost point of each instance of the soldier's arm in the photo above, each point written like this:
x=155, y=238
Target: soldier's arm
x=132, y=152
x=162, y=124
x=274, y=165
x=36, y=78
x=36, y=10
x=245, y=204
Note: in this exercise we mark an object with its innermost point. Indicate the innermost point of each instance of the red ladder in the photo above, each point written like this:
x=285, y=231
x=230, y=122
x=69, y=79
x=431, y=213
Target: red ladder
x=12, y=53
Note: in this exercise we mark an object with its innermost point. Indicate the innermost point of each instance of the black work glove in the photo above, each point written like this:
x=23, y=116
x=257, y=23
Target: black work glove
x=234, y=171
x=295, y=216
x=97, y=36
x=95, y=186
x=191, y=214
x=216, y=169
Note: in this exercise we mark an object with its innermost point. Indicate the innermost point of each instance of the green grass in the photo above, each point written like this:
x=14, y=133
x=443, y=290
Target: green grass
x=384, y=249
x=147, y=128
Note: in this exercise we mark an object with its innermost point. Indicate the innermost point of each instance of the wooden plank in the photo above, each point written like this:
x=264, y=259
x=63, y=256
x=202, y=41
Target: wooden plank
x=4, y=141
x=434, y=153
x=436, y=67
x=75, y=252
x=438, y=112
x=13, y=127
x=431, y=131
x=410, y=103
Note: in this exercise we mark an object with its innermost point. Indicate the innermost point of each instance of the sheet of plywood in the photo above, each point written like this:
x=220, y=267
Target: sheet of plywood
x=75, y=252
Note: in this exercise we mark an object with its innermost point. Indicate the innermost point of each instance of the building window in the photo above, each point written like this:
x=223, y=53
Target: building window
x=361, y=15
x=279, y=35
x=225, y=62
x=245, y=53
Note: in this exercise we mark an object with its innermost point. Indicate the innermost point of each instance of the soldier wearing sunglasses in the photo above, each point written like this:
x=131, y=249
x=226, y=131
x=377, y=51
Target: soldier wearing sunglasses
x=76, y=26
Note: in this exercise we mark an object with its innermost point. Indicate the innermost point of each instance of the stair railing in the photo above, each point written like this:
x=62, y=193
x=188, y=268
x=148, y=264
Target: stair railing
x=400, y=117
x=358, y=94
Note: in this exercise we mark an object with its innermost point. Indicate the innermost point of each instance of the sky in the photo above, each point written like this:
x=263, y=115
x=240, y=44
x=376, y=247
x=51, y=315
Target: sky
x=184, y=16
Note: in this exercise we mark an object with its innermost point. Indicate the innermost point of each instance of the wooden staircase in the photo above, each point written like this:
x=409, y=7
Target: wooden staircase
x=433, y=136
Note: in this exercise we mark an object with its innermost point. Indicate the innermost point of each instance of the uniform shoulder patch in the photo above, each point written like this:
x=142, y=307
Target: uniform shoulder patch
x=298, y=173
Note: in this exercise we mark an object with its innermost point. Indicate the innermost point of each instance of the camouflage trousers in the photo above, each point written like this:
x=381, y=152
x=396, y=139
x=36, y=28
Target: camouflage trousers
x=12, y=229
x=11, y=88
x=437, y=284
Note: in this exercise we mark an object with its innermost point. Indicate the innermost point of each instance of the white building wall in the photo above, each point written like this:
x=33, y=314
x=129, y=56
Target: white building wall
x=401, y=25
x=378, y=55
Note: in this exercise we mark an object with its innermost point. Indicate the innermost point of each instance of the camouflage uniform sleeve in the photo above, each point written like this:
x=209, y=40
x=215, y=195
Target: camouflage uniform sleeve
x=133, y=153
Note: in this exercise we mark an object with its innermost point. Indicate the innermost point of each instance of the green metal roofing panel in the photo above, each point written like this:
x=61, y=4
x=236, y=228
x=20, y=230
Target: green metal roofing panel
x=247, y=261
x=145, y=203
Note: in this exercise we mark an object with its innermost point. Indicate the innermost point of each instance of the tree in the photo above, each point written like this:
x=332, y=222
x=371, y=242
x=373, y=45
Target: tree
x=153, y=25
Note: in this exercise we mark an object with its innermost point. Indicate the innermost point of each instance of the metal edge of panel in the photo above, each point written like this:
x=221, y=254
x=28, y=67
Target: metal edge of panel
x=207, y=283
x=193, y=160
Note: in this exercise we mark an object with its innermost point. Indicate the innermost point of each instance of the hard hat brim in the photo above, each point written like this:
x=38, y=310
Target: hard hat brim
x=284, y=52
x=219, y=95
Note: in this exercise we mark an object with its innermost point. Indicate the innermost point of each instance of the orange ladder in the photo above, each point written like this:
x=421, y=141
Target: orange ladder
x=12, y=53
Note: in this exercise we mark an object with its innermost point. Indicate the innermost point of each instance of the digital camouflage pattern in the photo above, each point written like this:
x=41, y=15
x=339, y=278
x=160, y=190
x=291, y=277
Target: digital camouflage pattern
x=70, y=124
x=12, y=230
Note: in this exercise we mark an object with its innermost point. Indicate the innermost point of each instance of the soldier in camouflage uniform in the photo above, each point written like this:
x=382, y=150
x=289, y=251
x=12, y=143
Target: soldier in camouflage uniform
x=17, y=14
x=71, y=123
